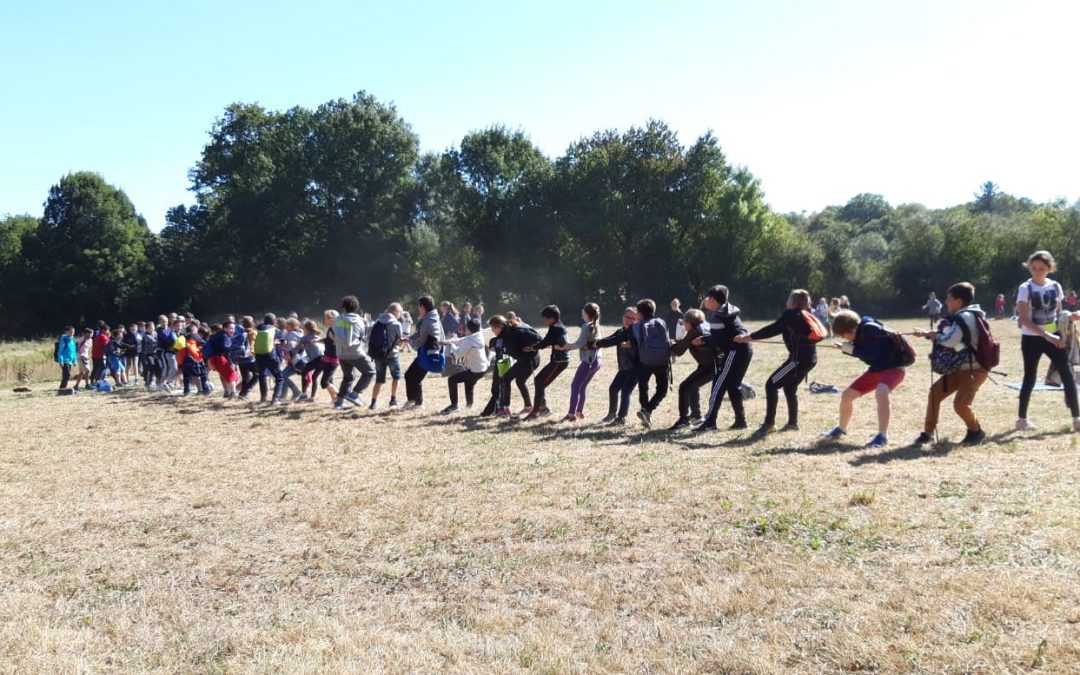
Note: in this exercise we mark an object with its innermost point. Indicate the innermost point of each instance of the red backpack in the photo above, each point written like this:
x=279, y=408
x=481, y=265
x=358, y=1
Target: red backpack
x=988, y=352
x=818, y=332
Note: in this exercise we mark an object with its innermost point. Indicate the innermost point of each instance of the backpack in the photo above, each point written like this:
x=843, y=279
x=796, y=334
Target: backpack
x=379, y=346
x=988, y=353
x=902, y=349
x=264, y=340
x=818, y=332
x=56, y=351
x=654, y=345
x=179, y=343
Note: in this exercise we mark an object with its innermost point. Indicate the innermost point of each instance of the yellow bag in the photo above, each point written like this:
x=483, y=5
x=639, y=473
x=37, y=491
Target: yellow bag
x=179, y=343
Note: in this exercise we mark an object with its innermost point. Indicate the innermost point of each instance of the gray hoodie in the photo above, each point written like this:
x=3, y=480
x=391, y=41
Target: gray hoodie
x=428, y=333
x=393, y=329
x=349, y=330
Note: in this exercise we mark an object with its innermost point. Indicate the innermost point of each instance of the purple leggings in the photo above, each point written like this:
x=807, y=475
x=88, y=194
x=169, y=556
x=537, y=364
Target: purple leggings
x=584, y=375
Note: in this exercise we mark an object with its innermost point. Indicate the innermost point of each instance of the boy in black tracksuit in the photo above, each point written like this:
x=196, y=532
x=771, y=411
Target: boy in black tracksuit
x=626, y=376
x=802, y=357
x=724, y=327
x=495, y=346
x=555, y=337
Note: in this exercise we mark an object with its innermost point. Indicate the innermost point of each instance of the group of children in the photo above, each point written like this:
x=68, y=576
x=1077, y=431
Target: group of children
x=283, y=351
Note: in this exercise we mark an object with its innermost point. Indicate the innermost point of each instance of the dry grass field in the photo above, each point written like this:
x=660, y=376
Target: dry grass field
x=166, y=534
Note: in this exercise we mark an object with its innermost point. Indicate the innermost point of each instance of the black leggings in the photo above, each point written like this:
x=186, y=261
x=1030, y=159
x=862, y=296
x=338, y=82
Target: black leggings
x=519, y=374
x=65, y=375
x=619, y=392
x=689, y=390
x=787, y=378
x=1033, y=347
x=414, y=383
x=469, y=379
x=544, y=379
x=249, y=375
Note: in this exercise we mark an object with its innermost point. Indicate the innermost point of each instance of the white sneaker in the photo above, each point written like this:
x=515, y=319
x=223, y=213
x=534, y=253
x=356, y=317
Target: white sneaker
x=412, y=405
x=1024, y=424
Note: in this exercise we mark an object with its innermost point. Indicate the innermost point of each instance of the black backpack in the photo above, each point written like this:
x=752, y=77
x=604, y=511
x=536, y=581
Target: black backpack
x=56, y=351
x=379, y=345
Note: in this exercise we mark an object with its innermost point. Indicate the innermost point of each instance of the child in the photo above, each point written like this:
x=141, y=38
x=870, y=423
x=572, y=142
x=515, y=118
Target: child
x=999, y=307
x=349, y=332
x=220, y=349
x=97, y=352
x=724, y=326
x=560, y=360
x=879, y=348
x=83, y=351
x=165, y=339
x=312, y=350
x=495, y=347
x=267, y=337
x=66, y=356
x=114, y=354
x=802, y=331
x=192, y=364
x=243, y=355
x=960, y=334
x=383, y=345
x=517, y=337
x=689, y=395
x=933, y=310
x=626, y=377
x=470, y=352
x=822, y=313
x=590, y=361
x=330, y=360
x=1038, y=303
x=652, y=356
x=428, y=335
x=293, y=359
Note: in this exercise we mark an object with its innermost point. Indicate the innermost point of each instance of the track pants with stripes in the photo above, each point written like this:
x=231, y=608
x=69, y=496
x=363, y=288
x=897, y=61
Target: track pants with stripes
x=729, y=376
x=544, y=379
x=787, y=377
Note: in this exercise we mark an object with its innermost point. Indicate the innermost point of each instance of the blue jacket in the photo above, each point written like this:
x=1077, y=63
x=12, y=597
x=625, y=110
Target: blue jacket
x=66, y=356
x=873, y=346
x=165, y=338
x=219, y=344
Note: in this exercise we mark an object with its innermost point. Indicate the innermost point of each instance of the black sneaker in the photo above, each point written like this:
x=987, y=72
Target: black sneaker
x=974, y=437
x=737, y=425
x=924, y=438
x=681, y=423
x=790, y=426
x=706, y=427
x=763, y=431
x=645, y=418
x=449, y=409
x=619, y=422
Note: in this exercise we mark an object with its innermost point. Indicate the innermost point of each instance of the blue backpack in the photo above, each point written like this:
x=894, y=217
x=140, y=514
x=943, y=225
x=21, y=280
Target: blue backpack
x=653, y=342
x=432, y=361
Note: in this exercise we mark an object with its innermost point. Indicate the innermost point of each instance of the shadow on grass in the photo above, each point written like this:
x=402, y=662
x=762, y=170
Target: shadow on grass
x=906, y=452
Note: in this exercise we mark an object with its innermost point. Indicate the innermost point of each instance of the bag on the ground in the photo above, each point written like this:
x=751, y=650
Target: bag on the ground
x=654, y=346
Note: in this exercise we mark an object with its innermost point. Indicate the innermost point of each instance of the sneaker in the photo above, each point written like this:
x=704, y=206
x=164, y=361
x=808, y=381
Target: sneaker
x=338, y=405
x=449, y=409
x=974, y=437
x=705, y=427
x=790, y=426
x=503, y=412
x=531, y=416
x=645, y=418
x=243, y=397
x=923, y=439
x=354, y=398
x=836, y=434
x=525, y=412
x=877, y=442
x=1024, y=424
x=619, y=422
x=681, y=423
x=301, y=397
x=608, y=419
x=580, y=415
x=276, y=401
x=737, y=425
x=542, y=412
x=393, y=404
x=374, y=405
x=697, y=421
x=1076, y=424
x=412, y=405
x=570, y=418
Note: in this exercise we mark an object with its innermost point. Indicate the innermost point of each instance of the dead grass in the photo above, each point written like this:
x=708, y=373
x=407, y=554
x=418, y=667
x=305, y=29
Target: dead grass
x=27, y=361
x=145, y=533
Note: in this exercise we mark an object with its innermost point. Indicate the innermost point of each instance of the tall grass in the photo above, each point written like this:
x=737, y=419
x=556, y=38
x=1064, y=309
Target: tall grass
x=27, y=361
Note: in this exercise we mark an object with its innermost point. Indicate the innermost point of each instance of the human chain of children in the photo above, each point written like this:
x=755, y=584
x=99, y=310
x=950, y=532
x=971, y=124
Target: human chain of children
x=275, y=351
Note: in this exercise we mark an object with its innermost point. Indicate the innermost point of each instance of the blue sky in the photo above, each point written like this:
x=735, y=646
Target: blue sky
x=919, y=101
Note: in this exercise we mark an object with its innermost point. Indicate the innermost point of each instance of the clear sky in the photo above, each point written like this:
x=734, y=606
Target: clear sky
x=919, y=101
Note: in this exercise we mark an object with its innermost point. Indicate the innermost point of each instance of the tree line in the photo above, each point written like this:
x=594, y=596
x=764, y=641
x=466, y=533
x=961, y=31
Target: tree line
x=293, y=209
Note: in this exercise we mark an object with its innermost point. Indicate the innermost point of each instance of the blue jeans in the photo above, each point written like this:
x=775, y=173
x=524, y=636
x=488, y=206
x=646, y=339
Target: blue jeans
x=268, y=363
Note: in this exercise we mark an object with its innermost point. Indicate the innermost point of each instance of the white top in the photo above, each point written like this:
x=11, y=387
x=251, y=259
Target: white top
x=1044, y=302
x=471, y=352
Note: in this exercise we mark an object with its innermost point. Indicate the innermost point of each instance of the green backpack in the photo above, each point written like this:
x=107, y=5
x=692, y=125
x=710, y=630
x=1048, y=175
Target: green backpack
x=264, y=341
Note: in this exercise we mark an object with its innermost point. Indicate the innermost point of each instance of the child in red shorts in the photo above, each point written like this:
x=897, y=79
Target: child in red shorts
x=872, y=343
